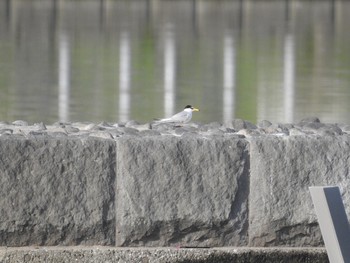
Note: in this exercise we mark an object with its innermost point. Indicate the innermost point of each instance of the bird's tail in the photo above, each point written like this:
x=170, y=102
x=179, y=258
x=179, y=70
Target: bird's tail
x=163, y=120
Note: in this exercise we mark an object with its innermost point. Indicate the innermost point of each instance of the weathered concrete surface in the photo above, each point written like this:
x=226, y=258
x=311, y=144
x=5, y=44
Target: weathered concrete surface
x=188, y=191
x=172, y=185
x=162, y=255
x=282, y=169
x=56, y=191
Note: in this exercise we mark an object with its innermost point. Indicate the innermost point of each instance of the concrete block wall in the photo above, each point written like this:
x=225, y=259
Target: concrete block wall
x=282, y=169
x=166, y=190
x=57, y=191
x=182, y=191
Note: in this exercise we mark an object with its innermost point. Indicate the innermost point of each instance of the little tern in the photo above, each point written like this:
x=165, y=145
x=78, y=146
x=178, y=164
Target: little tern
x=181, y=117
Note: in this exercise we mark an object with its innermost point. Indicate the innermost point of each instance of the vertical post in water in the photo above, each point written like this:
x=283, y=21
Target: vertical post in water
x=333, y=222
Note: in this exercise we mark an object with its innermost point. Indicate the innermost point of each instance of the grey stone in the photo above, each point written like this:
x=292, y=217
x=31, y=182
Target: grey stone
x=40, y=126
x=60, y=124
x=149, y=133
x=120, y=124
x=277, y=128
x=185, y=129
x=105, y=124
x=210, y=126
x=57, y=134
x=116, y=132
x=101, y=134
x=321, y=129
x=234, y=136
x=162, y=255
x=308, y=120
x=216, y=132
x=57, y=191
x=281, y=170
x=138, y=126
x=129, y=131
x=330, y=130
x=312, y=126
x=346, y=128
x=193, y=124
x=143, y=127
x=229, y=130
x=20, y=123
x=132, y=124
x=94, y=127
x=175, y=184
x=6, y=131
x=181, y=190
x=162, y=127
x=288, y=125
x=190, y=134
x=214, y=128
x=297, y=132
x=264, y=124
x=84, y=126
x=37, y=133
x=98, y=128
x=71, y=129
x=250, y=133
x=239, y=124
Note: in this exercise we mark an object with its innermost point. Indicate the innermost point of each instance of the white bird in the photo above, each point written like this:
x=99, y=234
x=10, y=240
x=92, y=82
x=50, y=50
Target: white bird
x=181, y=117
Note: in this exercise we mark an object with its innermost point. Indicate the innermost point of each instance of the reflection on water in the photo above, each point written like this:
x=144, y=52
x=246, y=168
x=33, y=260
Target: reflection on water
x=63, y=79
x=118, y=60
x=229, y=79
x=124, y=77
x=169, y=72
x=288, y=78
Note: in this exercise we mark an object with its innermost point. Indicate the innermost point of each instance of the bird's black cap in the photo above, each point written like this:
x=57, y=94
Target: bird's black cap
x=188, y=107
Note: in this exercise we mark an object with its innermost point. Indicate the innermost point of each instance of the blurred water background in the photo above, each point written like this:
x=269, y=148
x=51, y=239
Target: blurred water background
x=113, y=60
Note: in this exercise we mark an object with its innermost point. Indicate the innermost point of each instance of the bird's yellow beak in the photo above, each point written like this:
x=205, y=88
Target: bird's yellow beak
x=195, y=109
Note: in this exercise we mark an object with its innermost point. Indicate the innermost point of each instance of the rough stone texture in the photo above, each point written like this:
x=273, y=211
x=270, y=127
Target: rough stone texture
x=185, y=185
x=187, y=190
x=282, y=169
x=162, y=255
x=56, y=191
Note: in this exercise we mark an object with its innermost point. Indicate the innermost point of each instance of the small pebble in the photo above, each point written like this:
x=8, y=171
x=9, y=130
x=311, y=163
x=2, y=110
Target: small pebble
x=88, y=127
x=129, y=131
x=105, y=124
x=57, y=134
x=148, y=133
x=131, y=123
x=264, y=124
x=70, y=129
x=104, y=135
x=237, y=128
x=296, y=132
x=40, y=126
x=308, y=120
x=6, y=131
x=37, y=133
x=239, y=124
x=20, y=123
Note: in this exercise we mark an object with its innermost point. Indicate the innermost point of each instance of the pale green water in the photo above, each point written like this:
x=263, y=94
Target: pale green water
x=117, y=60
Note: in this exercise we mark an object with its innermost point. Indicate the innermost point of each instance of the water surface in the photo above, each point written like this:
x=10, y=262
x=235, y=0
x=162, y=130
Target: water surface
x=112, y=60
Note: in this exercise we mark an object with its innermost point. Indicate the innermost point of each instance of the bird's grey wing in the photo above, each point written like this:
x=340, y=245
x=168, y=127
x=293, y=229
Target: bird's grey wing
x=180, y=117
